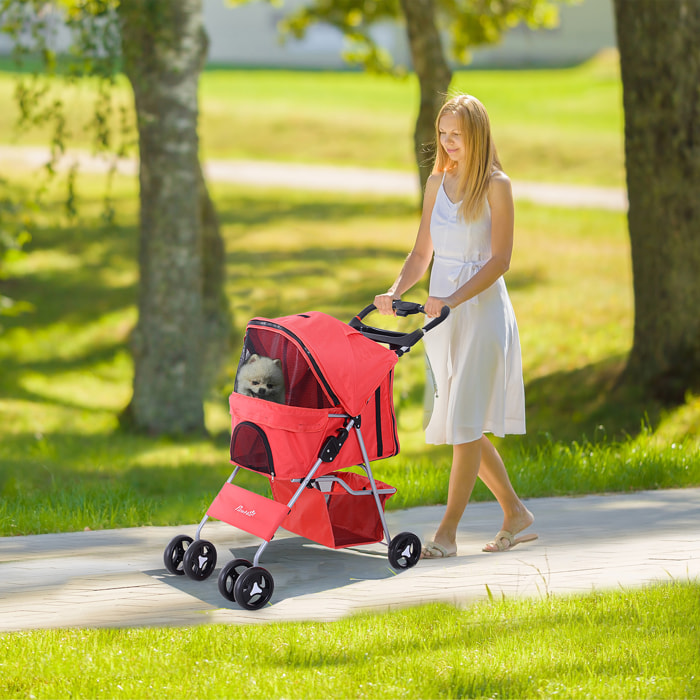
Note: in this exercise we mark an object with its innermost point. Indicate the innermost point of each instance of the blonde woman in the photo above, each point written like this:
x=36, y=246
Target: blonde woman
x=466, y=229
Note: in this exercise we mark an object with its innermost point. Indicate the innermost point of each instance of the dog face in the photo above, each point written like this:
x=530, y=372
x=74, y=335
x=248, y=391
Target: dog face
x=262, y=378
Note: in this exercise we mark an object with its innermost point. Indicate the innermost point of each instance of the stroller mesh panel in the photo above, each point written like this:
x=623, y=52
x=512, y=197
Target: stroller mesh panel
x=250, y=448
x=301, y=387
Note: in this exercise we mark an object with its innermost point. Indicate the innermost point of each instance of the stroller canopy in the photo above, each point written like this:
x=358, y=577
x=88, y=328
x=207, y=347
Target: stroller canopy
x=350, y=366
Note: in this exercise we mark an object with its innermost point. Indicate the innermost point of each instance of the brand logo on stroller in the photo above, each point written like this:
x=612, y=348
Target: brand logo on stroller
x=243, y=511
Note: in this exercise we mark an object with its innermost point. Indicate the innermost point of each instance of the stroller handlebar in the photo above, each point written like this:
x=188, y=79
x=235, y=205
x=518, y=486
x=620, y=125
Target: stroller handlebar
x=397, y=339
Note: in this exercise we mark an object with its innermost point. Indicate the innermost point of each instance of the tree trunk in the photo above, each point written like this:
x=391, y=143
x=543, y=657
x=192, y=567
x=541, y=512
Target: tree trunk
x=164, y=47
x=660, y=62
x=434, y=76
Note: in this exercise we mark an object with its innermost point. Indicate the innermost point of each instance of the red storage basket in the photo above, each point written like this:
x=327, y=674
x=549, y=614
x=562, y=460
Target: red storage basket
x=334, y=518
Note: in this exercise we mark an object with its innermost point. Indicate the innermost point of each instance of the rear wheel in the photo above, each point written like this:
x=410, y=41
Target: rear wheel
x=404, y=550
x=175, y=553
x=199, y=560
x=253, y=588
x=229, y=575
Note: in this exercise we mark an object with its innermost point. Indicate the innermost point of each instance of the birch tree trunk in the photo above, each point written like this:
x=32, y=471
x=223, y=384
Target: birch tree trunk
x=660, y=62
x=164, y=47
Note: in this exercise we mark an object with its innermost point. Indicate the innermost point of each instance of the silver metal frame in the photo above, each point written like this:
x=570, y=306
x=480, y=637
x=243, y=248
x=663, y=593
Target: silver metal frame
x=327, y=478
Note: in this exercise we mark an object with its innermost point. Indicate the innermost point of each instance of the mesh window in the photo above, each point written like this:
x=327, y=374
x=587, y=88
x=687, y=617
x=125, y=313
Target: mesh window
x=280, y=372
x=250, y=448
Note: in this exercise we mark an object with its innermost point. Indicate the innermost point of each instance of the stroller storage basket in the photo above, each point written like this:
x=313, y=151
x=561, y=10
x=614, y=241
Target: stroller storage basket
x=332, y=516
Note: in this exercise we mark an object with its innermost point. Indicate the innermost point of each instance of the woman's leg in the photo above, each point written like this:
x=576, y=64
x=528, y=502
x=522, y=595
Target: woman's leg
x=465, y=468
x=492, y=471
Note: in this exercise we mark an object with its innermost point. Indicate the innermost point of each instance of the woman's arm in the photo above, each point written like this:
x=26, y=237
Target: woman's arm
x=500, y=197
x=420, y=256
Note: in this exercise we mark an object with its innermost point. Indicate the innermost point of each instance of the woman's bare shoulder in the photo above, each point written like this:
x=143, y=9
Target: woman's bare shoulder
x=432, y=186
x=434, y=181
x=499, y=179
x=500, y=185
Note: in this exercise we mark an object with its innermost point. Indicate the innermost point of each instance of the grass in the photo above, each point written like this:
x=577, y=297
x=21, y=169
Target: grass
x=635, y=644
x=65, y=373
x=563, y=124
x=67, y=370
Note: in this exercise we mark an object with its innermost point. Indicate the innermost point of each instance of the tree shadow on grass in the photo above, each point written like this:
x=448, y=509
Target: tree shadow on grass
x=586, y=403
x=265, y=207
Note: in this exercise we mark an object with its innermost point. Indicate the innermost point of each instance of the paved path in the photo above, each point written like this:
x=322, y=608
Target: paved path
x=328, y=178
x=117, y=577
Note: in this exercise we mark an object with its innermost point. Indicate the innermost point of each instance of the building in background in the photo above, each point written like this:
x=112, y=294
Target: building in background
x=248, y=36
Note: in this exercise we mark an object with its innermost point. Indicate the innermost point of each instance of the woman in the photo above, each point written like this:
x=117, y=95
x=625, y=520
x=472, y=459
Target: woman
x=467, y=230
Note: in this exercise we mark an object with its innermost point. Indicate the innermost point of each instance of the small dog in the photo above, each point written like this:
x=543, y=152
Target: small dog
x=262, y=378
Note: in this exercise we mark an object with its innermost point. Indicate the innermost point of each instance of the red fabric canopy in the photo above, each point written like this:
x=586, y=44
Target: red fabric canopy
x=352, y=365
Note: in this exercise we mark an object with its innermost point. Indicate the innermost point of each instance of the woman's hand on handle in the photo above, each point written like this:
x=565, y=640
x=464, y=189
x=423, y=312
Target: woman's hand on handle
x=383, y=303
x=433, y=305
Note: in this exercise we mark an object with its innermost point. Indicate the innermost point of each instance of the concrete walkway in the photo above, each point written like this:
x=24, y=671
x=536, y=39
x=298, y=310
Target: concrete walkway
x=117, y=577
x=325, y=178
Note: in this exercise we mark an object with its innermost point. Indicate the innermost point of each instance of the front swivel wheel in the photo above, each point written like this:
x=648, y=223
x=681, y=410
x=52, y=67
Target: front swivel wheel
x=229, y=575
x=253, y=588
x=199, y=560
x=404, y=550
x=175, y=553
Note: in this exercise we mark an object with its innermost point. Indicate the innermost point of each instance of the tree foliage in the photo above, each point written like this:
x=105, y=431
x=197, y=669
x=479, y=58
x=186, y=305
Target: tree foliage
x=437, y=31
x=467, y=24
x=15, y=225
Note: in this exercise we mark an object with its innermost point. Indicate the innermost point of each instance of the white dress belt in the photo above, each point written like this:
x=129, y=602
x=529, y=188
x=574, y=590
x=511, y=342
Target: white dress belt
x=459, y=272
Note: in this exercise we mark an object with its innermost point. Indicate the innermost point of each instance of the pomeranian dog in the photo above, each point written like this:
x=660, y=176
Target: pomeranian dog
x=262, y=378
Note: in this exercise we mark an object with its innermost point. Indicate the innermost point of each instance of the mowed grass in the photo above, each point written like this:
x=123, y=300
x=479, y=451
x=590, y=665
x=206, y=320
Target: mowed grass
x=563, y=125
x=631, y=644
x=66, y=368
x=65, y=373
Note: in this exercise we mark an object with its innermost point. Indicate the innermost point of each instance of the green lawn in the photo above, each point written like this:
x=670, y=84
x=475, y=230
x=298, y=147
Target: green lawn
x=65, y=373
x=563, y=125
x=634, y=644
x=67, y=370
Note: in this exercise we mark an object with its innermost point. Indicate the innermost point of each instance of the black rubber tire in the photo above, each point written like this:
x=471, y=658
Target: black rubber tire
x=229, y=575
x=174, y=554
x=199, y=560
x=253, y=588
x=404, y=550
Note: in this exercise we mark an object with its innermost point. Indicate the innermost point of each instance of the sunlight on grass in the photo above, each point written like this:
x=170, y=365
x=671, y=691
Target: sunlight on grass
x=562, y=125
x=67, y=370
x=629, y=644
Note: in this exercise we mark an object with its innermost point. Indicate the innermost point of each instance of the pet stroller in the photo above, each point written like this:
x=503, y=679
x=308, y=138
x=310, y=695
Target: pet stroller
x=337, y=413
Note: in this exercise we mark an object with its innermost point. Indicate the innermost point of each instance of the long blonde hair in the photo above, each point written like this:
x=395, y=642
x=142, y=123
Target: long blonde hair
x=482, y=159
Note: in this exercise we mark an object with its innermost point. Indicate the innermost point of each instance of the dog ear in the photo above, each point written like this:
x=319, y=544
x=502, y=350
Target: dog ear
x=278, y=363
x=253, y=358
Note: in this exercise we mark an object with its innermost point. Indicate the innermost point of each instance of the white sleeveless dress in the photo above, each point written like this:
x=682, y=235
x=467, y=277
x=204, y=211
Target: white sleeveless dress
x=474, y=380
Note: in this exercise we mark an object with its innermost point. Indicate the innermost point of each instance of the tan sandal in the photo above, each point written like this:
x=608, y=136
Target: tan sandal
x=433, y=550
x=505, y=540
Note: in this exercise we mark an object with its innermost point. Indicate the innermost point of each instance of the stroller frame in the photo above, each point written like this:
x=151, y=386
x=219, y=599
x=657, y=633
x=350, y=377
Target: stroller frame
x=249, y=584
x=318, y=482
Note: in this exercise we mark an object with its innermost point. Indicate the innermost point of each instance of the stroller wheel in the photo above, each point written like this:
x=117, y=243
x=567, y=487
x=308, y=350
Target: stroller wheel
x=229, y=575
x=253, y=588
x=404, y=550
x=199, y=560
x=174, y=554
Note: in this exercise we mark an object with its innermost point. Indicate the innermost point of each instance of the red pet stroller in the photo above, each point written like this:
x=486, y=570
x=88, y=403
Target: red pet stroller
x=335, y=411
